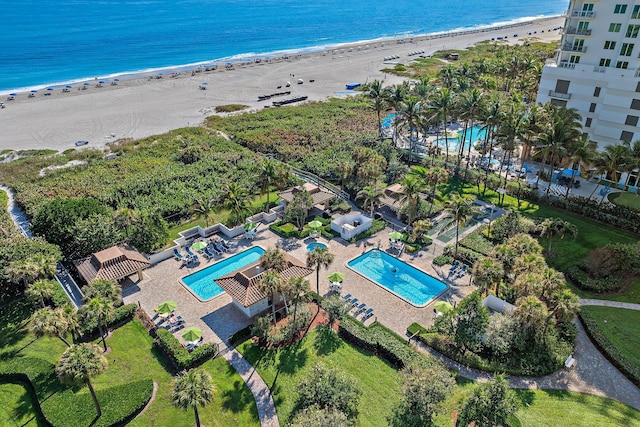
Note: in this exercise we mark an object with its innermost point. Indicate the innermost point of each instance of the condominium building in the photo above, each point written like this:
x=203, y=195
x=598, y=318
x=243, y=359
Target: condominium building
x=596, y=69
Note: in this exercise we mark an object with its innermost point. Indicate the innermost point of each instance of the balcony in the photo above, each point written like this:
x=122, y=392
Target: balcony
x=565, y=64
x=555, y=94
x=583, y=14
x=599, y=69
x=577, y=32
x=573, y=48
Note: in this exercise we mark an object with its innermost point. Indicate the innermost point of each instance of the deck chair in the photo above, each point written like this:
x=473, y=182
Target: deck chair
x=177, y=255
x=362, y=307
x=367, y=314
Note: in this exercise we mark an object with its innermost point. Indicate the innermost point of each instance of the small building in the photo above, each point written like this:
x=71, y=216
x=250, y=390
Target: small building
x=319, y=196
x=243, y=285
x=497, y=305
x=114, y=263
x=351, y=225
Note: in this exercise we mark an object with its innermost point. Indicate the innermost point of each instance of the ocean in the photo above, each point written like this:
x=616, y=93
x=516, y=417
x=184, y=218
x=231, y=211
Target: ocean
x=48, y=42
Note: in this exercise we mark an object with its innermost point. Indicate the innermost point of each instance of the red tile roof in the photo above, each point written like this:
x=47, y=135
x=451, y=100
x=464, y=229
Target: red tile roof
x=111, y=264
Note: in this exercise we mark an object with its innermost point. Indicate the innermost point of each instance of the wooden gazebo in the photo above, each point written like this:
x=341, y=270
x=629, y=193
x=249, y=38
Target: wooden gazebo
x=114, y=263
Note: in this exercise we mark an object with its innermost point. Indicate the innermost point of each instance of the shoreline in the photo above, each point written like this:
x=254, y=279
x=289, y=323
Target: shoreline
x=244, y=58
x=146, y=105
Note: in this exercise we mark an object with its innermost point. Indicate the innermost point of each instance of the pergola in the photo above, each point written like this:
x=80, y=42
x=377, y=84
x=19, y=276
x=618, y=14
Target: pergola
x=318, y=195
x=114, y=263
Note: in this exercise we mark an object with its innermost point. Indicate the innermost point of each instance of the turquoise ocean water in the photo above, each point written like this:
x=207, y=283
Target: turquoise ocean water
x=46, y=42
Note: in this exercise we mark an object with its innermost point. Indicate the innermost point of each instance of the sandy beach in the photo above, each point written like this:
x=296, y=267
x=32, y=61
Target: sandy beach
x=145, y=106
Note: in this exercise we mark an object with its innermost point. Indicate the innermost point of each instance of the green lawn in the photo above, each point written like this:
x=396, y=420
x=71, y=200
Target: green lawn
x=282, y=369
x=621, y=328
x=628, y=200
x=16, y=407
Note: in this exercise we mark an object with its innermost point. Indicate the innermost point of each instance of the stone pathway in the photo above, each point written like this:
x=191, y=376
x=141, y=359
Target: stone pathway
x=606, y=303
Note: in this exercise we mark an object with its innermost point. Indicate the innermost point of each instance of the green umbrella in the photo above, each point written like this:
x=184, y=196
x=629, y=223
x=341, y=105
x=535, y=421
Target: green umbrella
x=396, y=235
x=443, y=307
x=315, y=224
x=167, y=307
x=192, y=334
x=250, y=226
x=336, y=277
x=199, y=245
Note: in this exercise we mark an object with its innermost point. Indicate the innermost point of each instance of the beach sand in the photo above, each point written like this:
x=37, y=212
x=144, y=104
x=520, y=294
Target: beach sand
x=145, y=106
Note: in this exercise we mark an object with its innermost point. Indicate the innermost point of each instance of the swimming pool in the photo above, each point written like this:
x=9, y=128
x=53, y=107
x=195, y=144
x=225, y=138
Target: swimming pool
x=398, y=277
x=312, y=246
x=202, y=284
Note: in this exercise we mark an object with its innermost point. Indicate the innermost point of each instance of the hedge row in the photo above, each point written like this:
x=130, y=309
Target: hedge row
x=599, y=285
x=466, y=255
x=478, y=243
x=123, y=314
x=610, y=351
x=376, y=225
x=380, y=341
x=181, y=357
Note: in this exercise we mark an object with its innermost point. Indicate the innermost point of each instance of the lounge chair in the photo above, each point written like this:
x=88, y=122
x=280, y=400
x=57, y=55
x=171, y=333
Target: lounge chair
x=362, y=307
x=224, y=244
x=187, y=249
x=347, y=297
x=367, y=314
x=219, y=247
x=177, y=255
x=212, y=249
x=354, y=302
x=462, y=271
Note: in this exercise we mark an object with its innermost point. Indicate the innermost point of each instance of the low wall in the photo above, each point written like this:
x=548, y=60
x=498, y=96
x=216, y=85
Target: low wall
x=344, y=225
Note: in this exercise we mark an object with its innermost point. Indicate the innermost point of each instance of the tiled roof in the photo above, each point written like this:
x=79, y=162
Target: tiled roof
x=111, y=264
x=318, y=195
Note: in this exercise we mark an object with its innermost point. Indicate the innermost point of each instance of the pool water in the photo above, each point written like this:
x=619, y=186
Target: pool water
x=312, y=246
x=203, y=284
x=398, y=277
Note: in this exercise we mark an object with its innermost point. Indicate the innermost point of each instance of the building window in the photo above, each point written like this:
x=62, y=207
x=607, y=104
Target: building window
x=638, y=87
x=622, y=64
x=614, y=28
x=574, y=59
x=635, y=104
x=632, y=31
x=620, y=8
x=596, y=91
x=626, y=49
x=636, y=12
x=626, y=136
x=587, y=123
x=558, y=102
x=604, y=62
x=592, y=107
x=562, y=86
x=631, y=120
x=609, y=45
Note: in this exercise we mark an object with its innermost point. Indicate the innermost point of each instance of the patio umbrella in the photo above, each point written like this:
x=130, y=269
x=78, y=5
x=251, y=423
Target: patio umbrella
x=443, y=307
x=50, y=88
x=570, y=172
x=68, y=86
x=192, y=334
x=396, y=235
x=167, y=307
x=315, y=224
x=336, y=277
x=250, y=226
x=199, y=245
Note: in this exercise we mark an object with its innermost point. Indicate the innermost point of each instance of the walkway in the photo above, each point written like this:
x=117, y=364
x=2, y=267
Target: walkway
x=63, y=277
x=606, y=303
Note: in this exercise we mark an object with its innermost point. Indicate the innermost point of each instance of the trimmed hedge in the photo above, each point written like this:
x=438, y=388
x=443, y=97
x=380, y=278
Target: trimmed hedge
x=180, y=355
x=441, y=260
x=123, y=314
x=478, y=243
x=376, y=225
x=614, y=355
x=599, y=285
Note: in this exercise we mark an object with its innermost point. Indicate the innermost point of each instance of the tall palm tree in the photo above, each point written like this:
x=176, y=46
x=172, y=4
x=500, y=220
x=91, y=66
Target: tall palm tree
x=236, y=200
x=371, y=196
x=492, y=115
x=40, y=291
x=443, y=103
x=581, y=157
x=615, y=159
x=110, y=290
x=319, y=257
x=563, y=305
x=78, y=364
x=531, y=312
x=412, y=186
x=271, y=173
x=192, y=389
x=471, y=103
x=409, y=112
x=511, y=129
x=99, y=310
x=556, y=227
x=487, y=273
x=458, y=212
x=273, y=258
x=204, y=209
x=297, y=287
x=378, y=97
x=270, y=284
x=51, y=323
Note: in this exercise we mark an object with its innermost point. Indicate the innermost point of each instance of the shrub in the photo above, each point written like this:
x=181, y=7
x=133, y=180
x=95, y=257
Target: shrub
x=598, y=285
x=179, y=355
x=376, y=226
x=441, y=260
x=123, y=314
x=465, y=255
x=610, y=351
x=230, y=108
x=241, y=336
x=477, y=242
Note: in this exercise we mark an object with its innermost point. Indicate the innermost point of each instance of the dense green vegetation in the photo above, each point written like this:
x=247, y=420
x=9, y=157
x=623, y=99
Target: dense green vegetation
x=628, y=200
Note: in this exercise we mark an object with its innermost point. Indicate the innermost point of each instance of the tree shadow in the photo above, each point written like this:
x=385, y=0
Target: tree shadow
x=237, y=399
x=326, y=341
x=292, y=358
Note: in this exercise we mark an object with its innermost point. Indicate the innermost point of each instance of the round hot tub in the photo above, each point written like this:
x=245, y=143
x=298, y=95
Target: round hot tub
x=312, y=246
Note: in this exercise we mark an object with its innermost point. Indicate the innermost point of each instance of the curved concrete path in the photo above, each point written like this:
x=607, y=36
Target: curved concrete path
x=592, y=374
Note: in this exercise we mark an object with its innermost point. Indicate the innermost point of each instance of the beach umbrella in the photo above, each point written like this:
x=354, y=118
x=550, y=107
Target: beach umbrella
x=192, y=334
x=443, y=307
x=570, y=172
x=116, y=80
x=50, y=88
x=34, y=91
x=13, y=94
x=101, y=82
x=68, y=86
x=250, y=226
x=336, y=277
x=199, y=245
x=204, y=83
x=396, y=235
x=315, y=224
x=167, y=307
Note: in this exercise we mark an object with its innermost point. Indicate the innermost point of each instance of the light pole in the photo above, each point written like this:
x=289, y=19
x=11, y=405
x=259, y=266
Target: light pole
x=490, y=219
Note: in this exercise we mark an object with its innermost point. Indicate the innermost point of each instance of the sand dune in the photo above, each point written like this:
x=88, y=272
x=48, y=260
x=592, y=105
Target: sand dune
x=141, y=107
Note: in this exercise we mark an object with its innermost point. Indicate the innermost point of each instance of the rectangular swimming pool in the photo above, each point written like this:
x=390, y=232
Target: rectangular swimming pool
x=398, y=277
x=202, y=284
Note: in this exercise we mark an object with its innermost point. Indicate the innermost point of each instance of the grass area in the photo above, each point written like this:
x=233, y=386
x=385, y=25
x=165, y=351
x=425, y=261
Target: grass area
x=16, y=407
x=621, y=328
x=132, y=358
x=283, y=368
x=630, y=294
x=628, y=200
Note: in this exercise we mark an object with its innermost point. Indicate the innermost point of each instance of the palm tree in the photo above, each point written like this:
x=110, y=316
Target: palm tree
x=443, y=104
x=41, y=291
x=581, y=157
x=236, y=201
x=273, y=258
x=420, y=228
x=511, y=129
x=529, y=263
x=556, y=227
x=531, y=312
x=319, y=257
x=615, y=159
x=458, y=212
x=270, y=283
x=110, y=290
x=125, y=219
x=471, y=104
x=296, y=287
x=271, y=173
x=192, y=389
x=487, y=273
x=99, y=310
x=78, y=364
x=409, y=113
x=204, y=209
x=371, y=196
x=412, y=186
x=563, y=305
x=378, y=96
x=51, y=323
x=492, y=116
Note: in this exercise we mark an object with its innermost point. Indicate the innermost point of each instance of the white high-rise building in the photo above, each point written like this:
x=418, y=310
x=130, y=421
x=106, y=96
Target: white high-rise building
x=596, y=70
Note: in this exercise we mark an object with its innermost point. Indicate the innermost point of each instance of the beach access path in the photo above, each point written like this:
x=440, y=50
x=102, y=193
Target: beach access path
x=140, y=107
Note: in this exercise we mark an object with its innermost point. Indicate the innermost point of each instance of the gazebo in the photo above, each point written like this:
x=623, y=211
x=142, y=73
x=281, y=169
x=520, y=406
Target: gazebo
x=114, y=263
x=319, y=196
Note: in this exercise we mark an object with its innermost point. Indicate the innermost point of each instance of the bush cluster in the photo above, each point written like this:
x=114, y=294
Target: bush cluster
x=599, y=285
x=466, y=255
x=610, y=351
x=122, y=315
x=179, y=355
x=377, y=225
x=478, y=243
x=441, y=260
x=617, y=216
